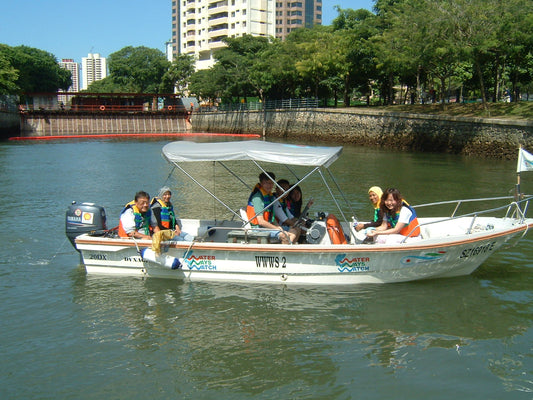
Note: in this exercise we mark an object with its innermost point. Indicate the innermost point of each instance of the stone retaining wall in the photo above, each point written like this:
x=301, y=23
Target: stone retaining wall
x=419, y=132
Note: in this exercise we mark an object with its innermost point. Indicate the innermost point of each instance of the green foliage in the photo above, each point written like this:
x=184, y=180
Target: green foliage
x=134, y=70
x=8, y=76
x=177, y=76
x=26, y=69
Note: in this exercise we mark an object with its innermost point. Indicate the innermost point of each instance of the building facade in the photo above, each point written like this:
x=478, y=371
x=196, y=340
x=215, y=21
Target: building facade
x=294, y=14
x=199, y=26
x=74, y=68
x=94, y=68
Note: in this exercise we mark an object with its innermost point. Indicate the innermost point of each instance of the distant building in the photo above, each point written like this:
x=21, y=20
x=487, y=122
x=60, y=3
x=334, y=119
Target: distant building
x=198, y=26
x=74, y=68
x=291, y=14
x=94, y=68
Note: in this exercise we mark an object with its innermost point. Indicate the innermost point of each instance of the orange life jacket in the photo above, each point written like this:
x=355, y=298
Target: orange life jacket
x=267, y=199
x=412, y=227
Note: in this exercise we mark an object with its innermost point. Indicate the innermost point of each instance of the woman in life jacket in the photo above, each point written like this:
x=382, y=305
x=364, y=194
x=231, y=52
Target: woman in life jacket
x=163, y=211
x=399, y=220
x=374, y=195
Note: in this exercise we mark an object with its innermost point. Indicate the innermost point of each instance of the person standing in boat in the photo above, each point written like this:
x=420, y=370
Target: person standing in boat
x=374, y=195
x=163, y=211
x=136, y=218
x=399, y=220
x=260, y=203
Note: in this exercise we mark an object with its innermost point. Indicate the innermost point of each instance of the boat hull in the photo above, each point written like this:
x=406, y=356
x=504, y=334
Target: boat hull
x=299, y=264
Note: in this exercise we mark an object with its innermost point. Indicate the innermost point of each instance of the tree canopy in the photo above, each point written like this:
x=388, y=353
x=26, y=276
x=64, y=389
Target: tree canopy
x=26, y=69
x=425, y=49
x=401, y=51
x=133, y=70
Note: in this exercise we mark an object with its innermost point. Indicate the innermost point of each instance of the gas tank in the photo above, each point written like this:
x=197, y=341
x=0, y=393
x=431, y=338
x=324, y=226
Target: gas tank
x=83, y=218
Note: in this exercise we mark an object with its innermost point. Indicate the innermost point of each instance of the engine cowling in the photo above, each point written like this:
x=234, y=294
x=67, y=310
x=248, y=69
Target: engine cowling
x=84, y=218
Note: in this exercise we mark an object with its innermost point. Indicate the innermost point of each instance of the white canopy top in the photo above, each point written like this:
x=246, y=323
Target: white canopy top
x=280, y=153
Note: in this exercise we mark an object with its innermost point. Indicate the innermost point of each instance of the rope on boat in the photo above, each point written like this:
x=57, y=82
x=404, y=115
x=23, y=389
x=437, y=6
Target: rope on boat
x=58, y=250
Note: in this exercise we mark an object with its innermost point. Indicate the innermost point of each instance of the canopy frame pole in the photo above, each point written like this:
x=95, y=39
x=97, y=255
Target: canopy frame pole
x=208, y=191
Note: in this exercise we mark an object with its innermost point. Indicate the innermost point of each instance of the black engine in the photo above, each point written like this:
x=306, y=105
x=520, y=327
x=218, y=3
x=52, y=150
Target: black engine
x=84, y=218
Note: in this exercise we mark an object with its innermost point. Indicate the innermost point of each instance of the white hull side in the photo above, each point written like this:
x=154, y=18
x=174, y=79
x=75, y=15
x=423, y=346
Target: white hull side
x=299, y=264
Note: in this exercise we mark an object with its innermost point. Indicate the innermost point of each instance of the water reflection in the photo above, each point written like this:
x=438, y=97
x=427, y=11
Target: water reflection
x=255, y=338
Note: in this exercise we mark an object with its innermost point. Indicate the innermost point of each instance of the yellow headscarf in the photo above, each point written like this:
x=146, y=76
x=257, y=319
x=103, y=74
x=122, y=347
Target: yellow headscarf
x=377, y=190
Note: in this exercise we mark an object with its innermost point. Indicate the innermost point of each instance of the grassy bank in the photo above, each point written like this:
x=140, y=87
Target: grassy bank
x=513, y=111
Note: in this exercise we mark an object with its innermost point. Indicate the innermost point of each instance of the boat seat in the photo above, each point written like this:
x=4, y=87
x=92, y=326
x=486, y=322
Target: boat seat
x=251, y=236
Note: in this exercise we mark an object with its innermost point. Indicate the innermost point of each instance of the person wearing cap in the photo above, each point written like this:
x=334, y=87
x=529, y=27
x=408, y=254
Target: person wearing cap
x=163, y=211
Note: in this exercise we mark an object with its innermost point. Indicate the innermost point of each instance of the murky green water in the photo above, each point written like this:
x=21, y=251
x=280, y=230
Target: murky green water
x=72, y=336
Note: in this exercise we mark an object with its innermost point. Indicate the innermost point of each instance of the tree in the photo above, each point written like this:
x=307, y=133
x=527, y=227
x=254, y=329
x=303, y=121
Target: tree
x=8, y=76
x=354, y=30
x=177, y=76
x=235, y=62
x=204, y=84
x=134, y=70
x=38, y=70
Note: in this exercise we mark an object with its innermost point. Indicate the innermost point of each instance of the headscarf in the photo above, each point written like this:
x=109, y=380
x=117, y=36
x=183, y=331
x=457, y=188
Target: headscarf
x=377, y=190
x=163, y=190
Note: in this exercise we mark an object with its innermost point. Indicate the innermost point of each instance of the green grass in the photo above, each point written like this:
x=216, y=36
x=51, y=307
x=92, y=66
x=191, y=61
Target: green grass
x=516, y=111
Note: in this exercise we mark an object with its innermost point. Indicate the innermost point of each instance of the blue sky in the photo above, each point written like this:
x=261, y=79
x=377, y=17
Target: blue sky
x=74, y=28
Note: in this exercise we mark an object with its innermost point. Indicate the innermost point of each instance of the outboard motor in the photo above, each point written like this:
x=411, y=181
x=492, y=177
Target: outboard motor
x=83, y=218
x=316, y=232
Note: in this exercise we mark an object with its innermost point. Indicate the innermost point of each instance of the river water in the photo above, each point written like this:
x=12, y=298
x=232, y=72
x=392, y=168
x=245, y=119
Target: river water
x=66, y=335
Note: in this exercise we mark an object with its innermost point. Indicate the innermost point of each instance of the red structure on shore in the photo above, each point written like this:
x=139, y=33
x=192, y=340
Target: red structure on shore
x=81, y=102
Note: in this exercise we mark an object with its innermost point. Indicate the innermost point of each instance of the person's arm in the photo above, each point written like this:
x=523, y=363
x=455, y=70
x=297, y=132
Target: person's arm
x=405, y=214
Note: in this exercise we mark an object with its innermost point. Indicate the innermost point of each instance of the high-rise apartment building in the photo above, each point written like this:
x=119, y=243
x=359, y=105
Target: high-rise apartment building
x=94, y=68
x=74, y=68
x=293, y=14
x=198, y=26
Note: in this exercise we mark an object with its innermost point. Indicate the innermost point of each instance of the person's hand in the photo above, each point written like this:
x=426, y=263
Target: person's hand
x=359, y=226
x=371, y=233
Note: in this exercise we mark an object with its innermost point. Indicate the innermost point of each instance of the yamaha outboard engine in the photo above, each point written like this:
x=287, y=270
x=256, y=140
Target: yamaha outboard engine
x=83, y=218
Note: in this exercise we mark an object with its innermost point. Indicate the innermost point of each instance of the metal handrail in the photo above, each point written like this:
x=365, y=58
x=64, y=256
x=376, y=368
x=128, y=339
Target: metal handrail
x=515, y=205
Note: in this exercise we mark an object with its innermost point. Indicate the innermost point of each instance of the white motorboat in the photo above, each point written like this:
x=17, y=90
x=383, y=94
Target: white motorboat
x=229, y=249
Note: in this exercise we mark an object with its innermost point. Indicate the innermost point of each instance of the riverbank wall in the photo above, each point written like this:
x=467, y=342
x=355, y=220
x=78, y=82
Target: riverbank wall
x=48, y=123
x=488, y=137
x=9, y=124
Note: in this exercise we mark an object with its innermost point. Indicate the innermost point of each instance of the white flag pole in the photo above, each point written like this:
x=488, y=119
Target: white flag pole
x=517, y=190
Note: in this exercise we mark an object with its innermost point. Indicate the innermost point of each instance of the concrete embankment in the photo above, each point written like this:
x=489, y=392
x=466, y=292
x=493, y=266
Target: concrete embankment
x=45, y=124
x=486, y=137
x=9, y=124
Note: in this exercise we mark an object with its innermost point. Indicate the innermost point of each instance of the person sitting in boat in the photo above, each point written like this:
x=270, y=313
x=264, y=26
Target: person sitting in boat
x=399, y=220
x=374, y=195
x=294, y=201
x=258, y=202
x=136, y=218
x=163, y=211
x=282, y=213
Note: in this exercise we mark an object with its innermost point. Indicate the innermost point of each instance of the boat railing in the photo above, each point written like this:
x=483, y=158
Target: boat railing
x=514, y=209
